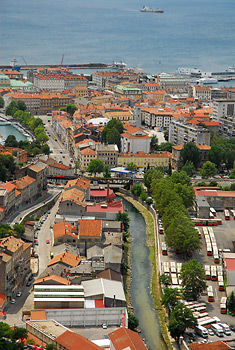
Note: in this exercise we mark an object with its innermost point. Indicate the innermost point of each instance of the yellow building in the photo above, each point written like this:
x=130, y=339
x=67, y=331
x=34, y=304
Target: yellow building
x=143, y=160
x=85, y=156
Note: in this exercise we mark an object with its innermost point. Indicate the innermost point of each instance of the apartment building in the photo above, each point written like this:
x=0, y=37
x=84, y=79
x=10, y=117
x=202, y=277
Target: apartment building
x=134, y=140
x=154, y=117
x=177, y=161
x=64, y=232
x=14, y=265
x=182, y=132
x=127, y=90
x=143, y=160
x=224, y=113
x=58, y=82
x=107, y=154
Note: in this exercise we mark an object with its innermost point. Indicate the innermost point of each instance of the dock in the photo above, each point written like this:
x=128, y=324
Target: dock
x=71, y=66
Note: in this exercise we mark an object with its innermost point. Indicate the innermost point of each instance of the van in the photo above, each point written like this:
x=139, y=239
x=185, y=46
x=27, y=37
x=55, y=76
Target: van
x=217, y=329
x=202, y=331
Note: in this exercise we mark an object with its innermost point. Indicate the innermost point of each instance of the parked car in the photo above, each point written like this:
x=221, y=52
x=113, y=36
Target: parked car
x=104, y=326
x=13, y=301
x=18, y=294
x=28, y=284
x=47, y=241
x=210, y=332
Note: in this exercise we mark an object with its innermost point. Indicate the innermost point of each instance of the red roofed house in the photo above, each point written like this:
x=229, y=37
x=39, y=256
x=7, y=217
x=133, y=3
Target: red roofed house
x=90, y=233
x=7, y=196
x=124, y=338
x=60, y=170
x=67, y=259
x=135, y=140
x=73, y=341
x=101, y=195
x=105, y=211
x=64, y=232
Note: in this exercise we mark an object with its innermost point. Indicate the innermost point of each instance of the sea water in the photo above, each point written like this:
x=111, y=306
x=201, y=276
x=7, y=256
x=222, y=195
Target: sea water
x=188, y=34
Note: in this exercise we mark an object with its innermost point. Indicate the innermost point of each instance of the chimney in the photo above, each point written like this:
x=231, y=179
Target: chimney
x=108, y=192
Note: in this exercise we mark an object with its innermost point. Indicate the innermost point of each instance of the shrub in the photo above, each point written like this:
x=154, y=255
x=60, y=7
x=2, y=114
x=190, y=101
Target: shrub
x=149, y=200
x=143, y=196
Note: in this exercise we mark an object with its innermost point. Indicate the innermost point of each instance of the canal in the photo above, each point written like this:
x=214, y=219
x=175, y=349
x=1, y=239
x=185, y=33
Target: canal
x=140, y=287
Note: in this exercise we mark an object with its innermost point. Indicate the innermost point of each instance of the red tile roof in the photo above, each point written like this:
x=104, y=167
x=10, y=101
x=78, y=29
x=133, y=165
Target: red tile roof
x=112, y=207
x=102, y=193
x=91, y=228
x=38, y=315
x=66, y=258
x=64, y=228
x=217, y=345
x=124, y=338
x=74, y=341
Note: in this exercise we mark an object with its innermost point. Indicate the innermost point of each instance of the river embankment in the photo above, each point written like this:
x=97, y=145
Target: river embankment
x=144, y=290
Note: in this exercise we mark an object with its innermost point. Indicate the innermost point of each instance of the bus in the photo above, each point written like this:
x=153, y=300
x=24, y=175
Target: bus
x=179, y=265
x=220, y=270
x=217, y=329
x=164, y=249
x=166, y=267
x=221, y=283
x=208, y=249
x=216, y=255
x=199, y=233
x=205, y=231
x=161, y=230
x=226, y=214
x=208, y=272
x=223, y=305
x=207, y=238
x=210, y=294
x=213, y=273
x=211, y=216
x=232, y=213
x=212, y=210
x=173, y=267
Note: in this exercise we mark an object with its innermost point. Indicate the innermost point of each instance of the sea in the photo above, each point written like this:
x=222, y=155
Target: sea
x=188, y=34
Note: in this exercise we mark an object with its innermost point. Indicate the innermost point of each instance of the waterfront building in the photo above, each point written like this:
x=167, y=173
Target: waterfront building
x=127, y=90
x=173, y=82
x=58, y=82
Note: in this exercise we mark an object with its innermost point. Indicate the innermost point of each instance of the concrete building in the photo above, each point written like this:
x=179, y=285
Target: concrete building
x=143, y=160
x=124, y=338
x=224, y=113
x=90, y=233
x=107, y=154
x=202, y=208
x=135, y=140
x=65, y=233
x=177, y=161
x=58, y=296
x=14, y=265
x=58, y=169
x=217, y=199
x=154, y=117
x=182, y=132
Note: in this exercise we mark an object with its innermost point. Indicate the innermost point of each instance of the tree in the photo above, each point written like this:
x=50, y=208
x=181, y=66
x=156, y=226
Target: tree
x=2, y=102
x=180, y=319
x=181, y=177
x=77, y=166
x=186, y=193
x=11, y=141
x=113, y=137
x=20, y=229
x=150, y=175
x=208, y=169
x=231, y=303
x=143, y=196
x=106, y=171
x=115, y=123
x=216, y=155
x=165, y=279
x=19, y=334
x=193, y=279
x=133, y=321
x=51, y=347
x=70, y=109
x=124, y=218
x=170, y=298
x=46, y=149
x=189, y=168
x=154, y=144
x=232, y=175
x=191, y=153
x=149, y=200
x=11, y=108
x=137, y=189
x=131, y=167
x=166, y=146
x=166, y=135
x=95, y=166
x=21, y=105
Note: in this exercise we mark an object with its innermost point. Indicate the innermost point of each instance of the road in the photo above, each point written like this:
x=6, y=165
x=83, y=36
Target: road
x=59, y=151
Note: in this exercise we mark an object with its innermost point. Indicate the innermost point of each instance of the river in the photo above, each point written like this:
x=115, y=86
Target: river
x=140, y=287
x=8, y=129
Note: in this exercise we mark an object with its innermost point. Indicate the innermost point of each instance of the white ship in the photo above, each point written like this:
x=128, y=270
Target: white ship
x=207, y=80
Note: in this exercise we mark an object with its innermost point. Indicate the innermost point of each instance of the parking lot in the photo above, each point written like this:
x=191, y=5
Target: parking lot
x=224, y=238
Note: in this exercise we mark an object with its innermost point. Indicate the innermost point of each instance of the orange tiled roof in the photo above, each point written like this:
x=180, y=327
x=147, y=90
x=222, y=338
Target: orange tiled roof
x=74, y=341
x=64, y=228
x=66, y=258
x=38, y=315
x=55, y=278
x=2, y=298
x=160, y=154
x=81, y=182
x=124, y=338
x=87, y=151
x=90, y=227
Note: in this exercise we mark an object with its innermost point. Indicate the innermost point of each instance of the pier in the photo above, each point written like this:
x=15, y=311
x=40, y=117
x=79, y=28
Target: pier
x=71, y=66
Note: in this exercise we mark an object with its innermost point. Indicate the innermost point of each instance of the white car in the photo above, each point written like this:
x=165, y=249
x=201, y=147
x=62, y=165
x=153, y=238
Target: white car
x=104, y=326
x=13, y=301
x=18, y=294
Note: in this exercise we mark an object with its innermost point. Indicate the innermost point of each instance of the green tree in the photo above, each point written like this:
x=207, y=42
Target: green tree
x=113, y=137
x=181, y=318
x=232, y=175
x=95, y=166
x=193, y=279
x=133, y=321
x=216, y=155
x=70, y=109
x=166, y=146
x=186, y=193
x=149, y=200
x=11, y=108
x=46, y=149
x=191, y=153
x=143, y=196
x=115, y=123
x=124, y=218
x=51, y=347
x=11, y=141
x=19, y=334
x=21, y=105
x=137, y=189
x=106, y=171
x=2, y=102
x=20, y=229
x=151, y=175
x=208, y=169
x=77, y=166
x=189, y=168
x=154, y=144
x=131, y=167
x=166, y=135
x=181, y=177
x=165, y=279
x=231, y=303
x=170, y=297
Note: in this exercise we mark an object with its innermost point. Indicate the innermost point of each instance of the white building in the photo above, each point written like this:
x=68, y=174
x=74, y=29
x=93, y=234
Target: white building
x=182, y=132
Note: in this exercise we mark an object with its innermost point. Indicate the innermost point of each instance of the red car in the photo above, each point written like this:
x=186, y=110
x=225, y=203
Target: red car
x=47, y=241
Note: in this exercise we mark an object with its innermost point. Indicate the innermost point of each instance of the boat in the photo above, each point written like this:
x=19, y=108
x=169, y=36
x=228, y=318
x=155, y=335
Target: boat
x=207, y=80
x=148, y=9
x=118, y=65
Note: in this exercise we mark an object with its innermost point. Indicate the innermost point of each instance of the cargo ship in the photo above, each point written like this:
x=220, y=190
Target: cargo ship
x=148, y=9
